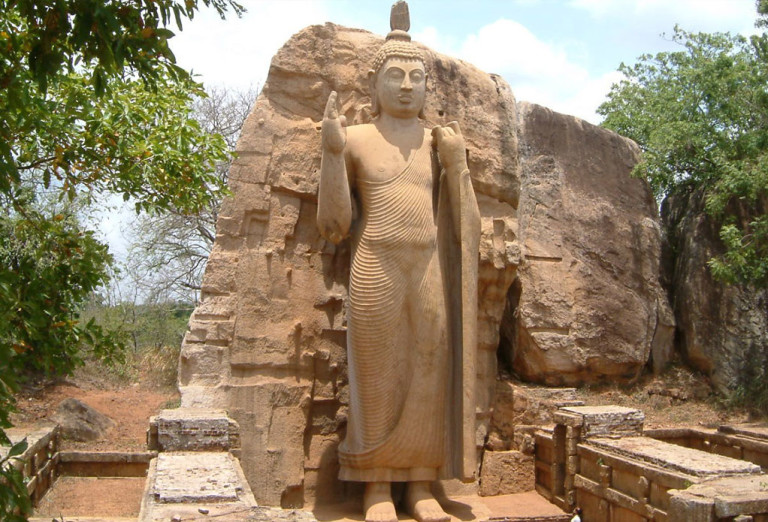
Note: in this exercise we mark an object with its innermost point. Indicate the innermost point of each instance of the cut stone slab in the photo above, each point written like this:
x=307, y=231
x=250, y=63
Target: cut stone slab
x=757, y=432
x=729, y=496
x=190, y=485
x=193, y=429
x=196, y=477
x=602, y=421
x=671, y=456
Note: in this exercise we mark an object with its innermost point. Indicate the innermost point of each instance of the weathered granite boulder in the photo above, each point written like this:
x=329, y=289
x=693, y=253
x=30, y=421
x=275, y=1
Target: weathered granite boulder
x=267, y=342
x=587, y=305
x=723, y=329
x=80, y=422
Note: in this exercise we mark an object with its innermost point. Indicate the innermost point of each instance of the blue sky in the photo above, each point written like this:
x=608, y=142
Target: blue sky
x=559, y=53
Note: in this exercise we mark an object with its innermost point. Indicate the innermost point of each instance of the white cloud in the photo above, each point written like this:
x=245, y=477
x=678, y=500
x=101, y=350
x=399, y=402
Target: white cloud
x=236, y=52
x=537, y=71
x=692, y=15
x=508, y=48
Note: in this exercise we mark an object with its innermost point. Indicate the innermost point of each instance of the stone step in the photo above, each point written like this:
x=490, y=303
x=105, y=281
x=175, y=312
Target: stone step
x=546, y=518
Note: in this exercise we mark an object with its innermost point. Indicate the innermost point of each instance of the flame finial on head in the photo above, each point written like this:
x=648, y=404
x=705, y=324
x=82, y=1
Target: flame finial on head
x=400, y=18
x=398, y=42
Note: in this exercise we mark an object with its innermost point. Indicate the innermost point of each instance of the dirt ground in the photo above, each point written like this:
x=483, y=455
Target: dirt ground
x=130, y=405
x=102, y=496
x=677, y=398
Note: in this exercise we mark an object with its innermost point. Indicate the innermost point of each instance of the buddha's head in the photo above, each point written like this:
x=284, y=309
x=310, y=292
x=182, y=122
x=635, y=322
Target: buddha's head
x=398, y=77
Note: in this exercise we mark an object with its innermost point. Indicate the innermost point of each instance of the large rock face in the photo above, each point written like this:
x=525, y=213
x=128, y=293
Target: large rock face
x=267, y=342
x=723, y=328
x=587, y=305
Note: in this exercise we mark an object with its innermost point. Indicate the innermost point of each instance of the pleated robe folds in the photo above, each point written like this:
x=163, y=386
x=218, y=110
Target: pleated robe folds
x=404, y=336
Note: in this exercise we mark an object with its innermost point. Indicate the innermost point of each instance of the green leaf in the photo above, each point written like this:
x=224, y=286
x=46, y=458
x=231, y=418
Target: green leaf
x=18, y=448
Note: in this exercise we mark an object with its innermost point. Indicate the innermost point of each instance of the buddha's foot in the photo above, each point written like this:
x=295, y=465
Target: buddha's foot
x=421, y=504
x=378, y=504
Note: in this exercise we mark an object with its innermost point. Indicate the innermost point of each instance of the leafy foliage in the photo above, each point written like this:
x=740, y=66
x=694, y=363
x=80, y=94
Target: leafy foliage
x=92, y=103
x=137, y=140
x=152, y=333
x=701, y=117
x=15, y=504
x=169, y=251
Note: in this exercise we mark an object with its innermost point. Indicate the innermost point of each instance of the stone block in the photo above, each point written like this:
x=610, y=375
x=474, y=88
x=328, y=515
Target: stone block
x=602, y=421
x=506, y=472
x=220, y=273
x=193, y=429
x=202, y=364
x=211, y=331
x=691, y=508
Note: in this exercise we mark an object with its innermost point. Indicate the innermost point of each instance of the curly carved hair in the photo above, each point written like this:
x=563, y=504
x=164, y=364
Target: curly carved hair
x=398, y=45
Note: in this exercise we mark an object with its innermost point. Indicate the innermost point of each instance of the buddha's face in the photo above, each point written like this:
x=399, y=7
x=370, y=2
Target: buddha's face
x=401, y=87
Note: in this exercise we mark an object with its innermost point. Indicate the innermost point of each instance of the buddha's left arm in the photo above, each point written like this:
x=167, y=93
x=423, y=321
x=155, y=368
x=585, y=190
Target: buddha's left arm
x=453, y=158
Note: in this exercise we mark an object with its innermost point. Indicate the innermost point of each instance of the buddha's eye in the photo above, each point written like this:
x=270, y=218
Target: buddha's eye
x=417, y=76
x=395, y=73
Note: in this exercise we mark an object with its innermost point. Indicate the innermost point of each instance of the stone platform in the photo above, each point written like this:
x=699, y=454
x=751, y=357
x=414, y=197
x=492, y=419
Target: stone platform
x=191, y=484
x=755, y=431
x=670, y=456
x=519, y=507
x=730, y=498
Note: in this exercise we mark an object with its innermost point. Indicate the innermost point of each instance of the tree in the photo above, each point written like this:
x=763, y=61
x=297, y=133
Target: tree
x=169, y=251
x=700, y=116
x=92, y=103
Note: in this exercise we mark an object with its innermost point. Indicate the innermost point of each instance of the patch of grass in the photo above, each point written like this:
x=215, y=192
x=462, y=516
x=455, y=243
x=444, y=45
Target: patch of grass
x=150, y=366
x=172, y=404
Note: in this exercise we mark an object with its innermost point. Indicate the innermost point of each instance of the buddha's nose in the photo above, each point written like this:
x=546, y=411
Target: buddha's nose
x=406, y=85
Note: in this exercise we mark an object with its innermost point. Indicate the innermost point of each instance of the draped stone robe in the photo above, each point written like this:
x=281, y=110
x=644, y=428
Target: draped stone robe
x=399, y=337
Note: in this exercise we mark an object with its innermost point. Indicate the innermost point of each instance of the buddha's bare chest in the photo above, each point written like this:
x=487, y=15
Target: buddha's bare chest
x=384, y=163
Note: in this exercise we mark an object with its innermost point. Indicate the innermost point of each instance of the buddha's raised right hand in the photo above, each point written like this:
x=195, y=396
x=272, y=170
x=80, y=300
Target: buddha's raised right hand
x=334, y=127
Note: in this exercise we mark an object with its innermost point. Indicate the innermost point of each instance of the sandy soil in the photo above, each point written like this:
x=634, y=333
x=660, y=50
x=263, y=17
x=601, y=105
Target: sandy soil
x=102, y=497
x=130, y=406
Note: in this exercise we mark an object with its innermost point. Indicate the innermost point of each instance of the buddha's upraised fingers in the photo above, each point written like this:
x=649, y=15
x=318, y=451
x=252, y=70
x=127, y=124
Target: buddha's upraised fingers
x=331, y=107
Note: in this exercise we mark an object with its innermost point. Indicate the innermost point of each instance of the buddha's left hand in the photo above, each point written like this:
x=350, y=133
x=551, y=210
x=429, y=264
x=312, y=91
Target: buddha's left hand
x=450, y=147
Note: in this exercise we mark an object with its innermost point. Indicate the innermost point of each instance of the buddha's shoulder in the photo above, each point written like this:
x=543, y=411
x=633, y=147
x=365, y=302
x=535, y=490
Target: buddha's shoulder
x=362, y=131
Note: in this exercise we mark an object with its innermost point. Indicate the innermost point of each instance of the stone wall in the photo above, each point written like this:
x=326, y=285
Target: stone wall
x=598, y=459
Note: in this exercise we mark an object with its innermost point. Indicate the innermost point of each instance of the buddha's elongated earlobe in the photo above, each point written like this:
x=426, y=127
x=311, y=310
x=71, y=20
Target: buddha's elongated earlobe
x=372, y=89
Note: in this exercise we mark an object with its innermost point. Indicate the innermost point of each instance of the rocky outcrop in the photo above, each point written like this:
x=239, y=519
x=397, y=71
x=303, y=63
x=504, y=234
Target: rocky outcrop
x=267, y=342
x=587, y=305
x=723, y=329
x=506, y=472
